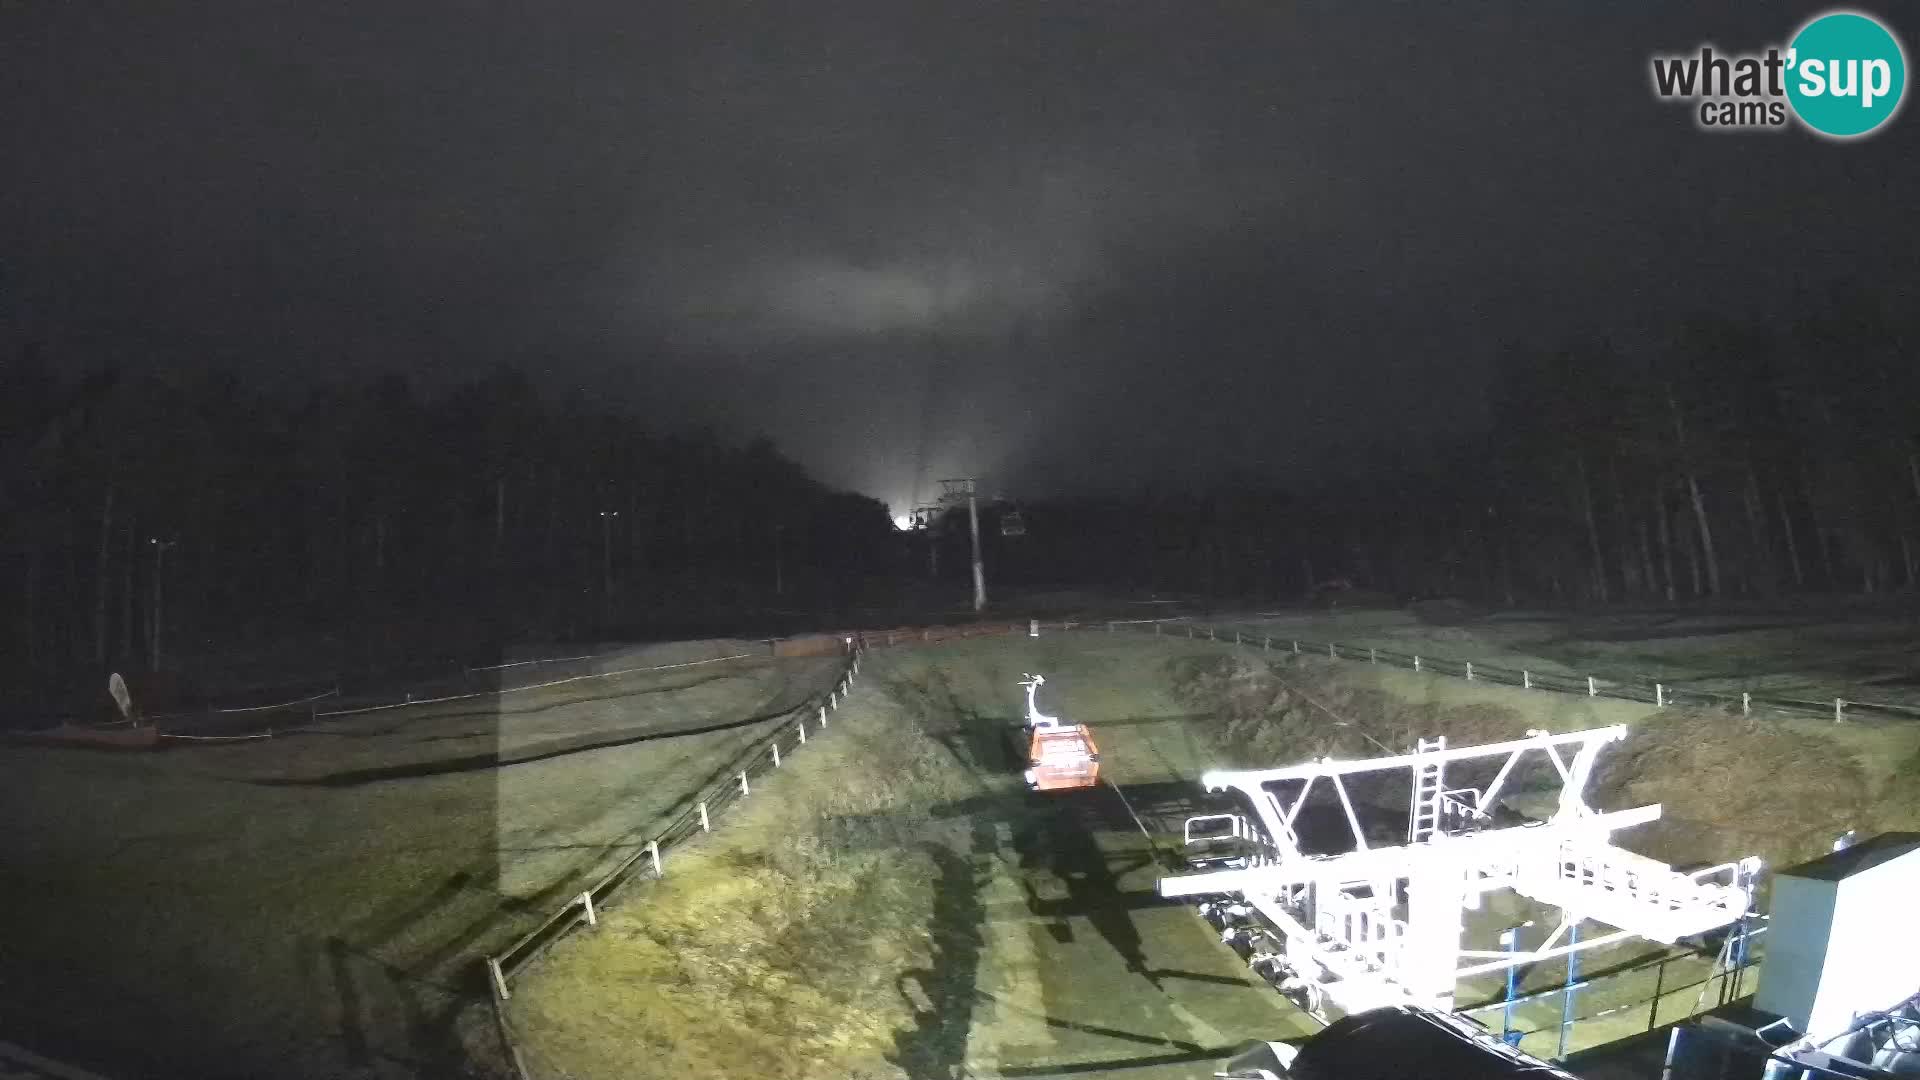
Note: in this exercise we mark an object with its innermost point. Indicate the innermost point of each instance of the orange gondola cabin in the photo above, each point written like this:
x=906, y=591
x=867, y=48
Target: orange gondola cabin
x=1060, y=757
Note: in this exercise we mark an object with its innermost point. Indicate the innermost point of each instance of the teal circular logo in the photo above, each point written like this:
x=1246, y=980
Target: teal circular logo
x=1846, y=74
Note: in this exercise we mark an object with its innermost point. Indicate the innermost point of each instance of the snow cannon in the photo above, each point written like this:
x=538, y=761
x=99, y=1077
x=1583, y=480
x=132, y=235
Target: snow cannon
x=1060, y=756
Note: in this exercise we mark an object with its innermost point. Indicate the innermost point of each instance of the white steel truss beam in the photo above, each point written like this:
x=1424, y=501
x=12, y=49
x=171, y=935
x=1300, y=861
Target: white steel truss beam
x=1278, y=812
x=1216, y=779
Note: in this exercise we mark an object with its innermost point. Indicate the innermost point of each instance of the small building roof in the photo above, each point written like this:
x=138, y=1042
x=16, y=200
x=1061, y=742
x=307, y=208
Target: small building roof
x=1863, y=855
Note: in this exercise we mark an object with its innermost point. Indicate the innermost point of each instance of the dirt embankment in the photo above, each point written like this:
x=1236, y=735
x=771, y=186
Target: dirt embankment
x=777, y=947
x=1730, y=785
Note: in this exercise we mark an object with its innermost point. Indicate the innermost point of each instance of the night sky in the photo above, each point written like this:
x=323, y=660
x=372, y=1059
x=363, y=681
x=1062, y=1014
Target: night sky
x=1061, y=246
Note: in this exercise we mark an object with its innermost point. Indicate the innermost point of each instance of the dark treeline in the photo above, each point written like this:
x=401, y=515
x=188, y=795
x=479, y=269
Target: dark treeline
x=196, y=518
x=1718, y=463
x=192, y=517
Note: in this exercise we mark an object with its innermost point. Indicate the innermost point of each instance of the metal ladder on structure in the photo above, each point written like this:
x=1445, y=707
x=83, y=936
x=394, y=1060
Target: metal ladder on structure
x=1423, y=817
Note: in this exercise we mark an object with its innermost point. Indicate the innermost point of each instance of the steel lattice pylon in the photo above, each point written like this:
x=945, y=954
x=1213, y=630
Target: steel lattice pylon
x=1373, y=926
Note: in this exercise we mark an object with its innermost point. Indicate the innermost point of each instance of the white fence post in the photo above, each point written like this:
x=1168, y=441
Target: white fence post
x=1659, y=696
x=1416, y=661
x=1372, y=656
x=833, y=699
x=823, y=716
x=1266, y=644
x=499, y=978
x=653, y=849
x=1746, y=704
x=1156, y=628
x=586, y=903
x=744, y=790
x=1211, y=635
x=1236, y=637
x=1526, y=679
x=1332, y=651
x=1296, y=648
x=1592, y=690
x=1469, y=671
x=776, y=753
x=801, y=727
x=1839, y=710
x=705, y=824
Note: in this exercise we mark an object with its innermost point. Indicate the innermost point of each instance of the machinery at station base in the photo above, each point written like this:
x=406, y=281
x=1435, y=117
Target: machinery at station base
x=1370, y=927
x=1059, y=756
x=1839, y=995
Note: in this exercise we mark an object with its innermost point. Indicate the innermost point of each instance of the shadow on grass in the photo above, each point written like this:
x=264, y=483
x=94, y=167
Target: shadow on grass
x=935, y=1048
x=1184, y=1057
x=1060, y=840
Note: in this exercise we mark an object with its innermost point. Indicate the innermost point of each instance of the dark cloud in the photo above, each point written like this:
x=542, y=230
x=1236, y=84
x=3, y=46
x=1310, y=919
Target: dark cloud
x=1054, y=244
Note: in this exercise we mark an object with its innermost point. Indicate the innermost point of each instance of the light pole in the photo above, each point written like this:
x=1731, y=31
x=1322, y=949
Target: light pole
x=159, y=558
x=979, y=568
x=1510, y=940
x=606, y=559
x=779, y=562
x=1573, y=983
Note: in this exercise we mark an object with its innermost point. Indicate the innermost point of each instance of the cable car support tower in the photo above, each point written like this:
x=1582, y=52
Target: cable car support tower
x=1375, y=926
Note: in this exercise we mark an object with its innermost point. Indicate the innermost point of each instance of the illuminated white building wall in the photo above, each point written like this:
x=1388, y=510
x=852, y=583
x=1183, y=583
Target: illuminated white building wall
x=1842, y=939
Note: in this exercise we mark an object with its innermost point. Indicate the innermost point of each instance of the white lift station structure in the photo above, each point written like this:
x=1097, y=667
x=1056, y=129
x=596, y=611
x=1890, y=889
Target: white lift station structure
x=1377, y=926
